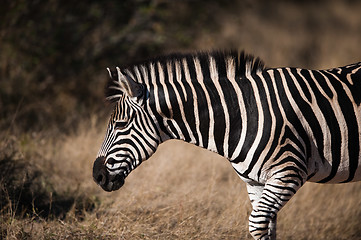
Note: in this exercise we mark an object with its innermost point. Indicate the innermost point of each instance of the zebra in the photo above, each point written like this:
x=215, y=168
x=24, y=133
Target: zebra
x=278, y=127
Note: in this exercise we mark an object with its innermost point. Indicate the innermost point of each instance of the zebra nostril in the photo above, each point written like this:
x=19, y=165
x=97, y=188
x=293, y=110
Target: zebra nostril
x=100, y=179
x=99, y=173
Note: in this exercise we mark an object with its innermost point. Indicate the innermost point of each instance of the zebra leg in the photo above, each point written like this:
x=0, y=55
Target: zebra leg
x=276, y=193
x=255, y=190
x=272, y=227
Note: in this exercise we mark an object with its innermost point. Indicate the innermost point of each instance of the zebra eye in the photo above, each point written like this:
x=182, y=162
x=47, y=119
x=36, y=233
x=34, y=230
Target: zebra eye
x=120, y=124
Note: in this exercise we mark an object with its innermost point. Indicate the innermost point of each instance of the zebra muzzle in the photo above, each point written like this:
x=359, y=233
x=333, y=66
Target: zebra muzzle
x=102, y=177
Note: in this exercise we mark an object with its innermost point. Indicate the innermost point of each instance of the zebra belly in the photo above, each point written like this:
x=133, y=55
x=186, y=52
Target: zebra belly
x=327, y=170
x=322, y=170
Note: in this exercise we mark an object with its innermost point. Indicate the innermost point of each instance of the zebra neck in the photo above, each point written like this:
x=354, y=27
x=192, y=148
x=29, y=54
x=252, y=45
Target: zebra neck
x=203, y=100
x=207, y=113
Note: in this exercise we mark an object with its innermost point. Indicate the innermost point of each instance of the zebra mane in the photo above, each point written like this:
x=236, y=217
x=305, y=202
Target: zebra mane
x=243, y=63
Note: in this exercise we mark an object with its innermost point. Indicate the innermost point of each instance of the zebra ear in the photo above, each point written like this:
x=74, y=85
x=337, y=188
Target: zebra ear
x=129, y=86
x=120, y=84
x=113, y=91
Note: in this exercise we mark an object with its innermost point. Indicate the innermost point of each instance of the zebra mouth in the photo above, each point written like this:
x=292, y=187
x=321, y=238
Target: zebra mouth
x=111, y=183
x=102, y=177
x=115, y=182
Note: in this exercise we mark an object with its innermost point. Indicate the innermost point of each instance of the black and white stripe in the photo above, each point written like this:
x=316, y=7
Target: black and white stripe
x=278, y=127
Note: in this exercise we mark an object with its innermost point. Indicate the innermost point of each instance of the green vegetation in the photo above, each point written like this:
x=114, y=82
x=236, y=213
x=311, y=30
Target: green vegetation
x=53, y=56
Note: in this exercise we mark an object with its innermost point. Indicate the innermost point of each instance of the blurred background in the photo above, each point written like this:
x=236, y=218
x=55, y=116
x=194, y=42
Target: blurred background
x=53, y=56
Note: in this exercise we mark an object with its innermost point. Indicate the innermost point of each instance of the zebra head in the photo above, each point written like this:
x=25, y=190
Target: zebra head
x=131, y=135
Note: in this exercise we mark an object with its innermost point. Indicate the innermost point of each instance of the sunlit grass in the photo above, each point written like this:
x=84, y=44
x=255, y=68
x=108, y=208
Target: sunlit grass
x=182, y=192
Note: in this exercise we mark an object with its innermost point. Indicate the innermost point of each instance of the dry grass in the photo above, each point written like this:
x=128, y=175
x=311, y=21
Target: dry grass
x=181, y=193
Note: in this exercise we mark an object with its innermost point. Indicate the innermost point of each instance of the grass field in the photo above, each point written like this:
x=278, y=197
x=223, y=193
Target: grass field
x=181, y=193
x=53, y=118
